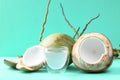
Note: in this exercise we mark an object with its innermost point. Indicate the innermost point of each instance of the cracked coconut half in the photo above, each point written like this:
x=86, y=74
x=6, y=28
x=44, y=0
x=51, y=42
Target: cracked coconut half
x=92, y=52
x=11, y=63
x=33, y=59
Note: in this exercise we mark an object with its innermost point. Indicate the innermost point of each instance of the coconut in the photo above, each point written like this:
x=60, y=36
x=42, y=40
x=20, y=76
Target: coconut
x=92, y=52
x=33, y=59
x=59, y=39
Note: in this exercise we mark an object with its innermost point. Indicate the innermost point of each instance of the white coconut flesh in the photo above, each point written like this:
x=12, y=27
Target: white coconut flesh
x=34, y=56
x=57, y=59
x=92, y=49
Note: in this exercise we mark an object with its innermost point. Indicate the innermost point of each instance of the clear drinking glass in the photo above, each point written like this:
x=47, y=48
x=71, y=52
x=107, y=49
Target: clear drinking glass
x=57, y=59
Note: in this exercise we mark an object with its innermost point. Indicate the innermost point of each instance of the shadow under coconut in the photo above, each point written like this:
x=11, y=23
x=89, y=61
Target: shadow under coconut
x=101, y=72
x=72, y=69
x=42, y=70
x=12, y=69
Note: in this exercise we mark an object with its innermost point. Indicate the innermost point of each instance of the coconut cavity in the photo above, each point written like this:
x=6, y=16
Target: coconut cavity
x=92, y=50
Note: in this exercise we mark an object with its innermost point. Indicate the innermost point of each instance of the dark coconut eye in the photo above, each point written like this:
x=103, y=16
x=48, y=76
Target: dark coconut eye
x=92, y=52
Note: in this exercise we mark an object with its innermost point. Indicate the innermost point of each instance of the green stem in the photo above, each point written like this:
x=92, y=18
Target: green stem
x=88, y=24
x=75, y=31
x=116, y=53
x=45, y=19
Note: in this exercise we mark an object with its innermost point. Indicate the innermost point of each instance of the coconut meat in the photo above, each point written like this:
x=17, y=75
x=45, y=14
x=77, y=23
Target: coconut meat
x=56, y=60
x=92, y=50
x=34, y=56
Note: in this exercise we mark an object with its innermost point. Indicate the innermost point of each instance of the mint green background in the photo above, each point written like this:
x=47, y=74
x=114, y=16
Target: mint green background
x=21, y=20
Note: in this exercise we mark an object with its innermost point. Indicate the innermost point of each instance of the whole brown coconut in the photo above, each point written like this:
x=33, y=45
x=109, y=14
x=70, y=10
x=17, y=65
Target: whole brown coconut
x=59, y=39
x=92, y=52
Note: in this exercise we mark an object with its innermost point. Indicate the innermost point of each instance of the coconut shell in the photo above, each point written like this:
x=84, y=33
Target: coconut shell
x=11, y=63
x=21, y=66
x=59, y=39
x=104, y=62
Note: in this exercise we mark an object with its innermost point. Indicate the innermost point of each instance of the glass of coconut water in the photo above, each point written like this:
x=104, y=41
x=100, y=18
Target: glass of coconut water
x=57, y=59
